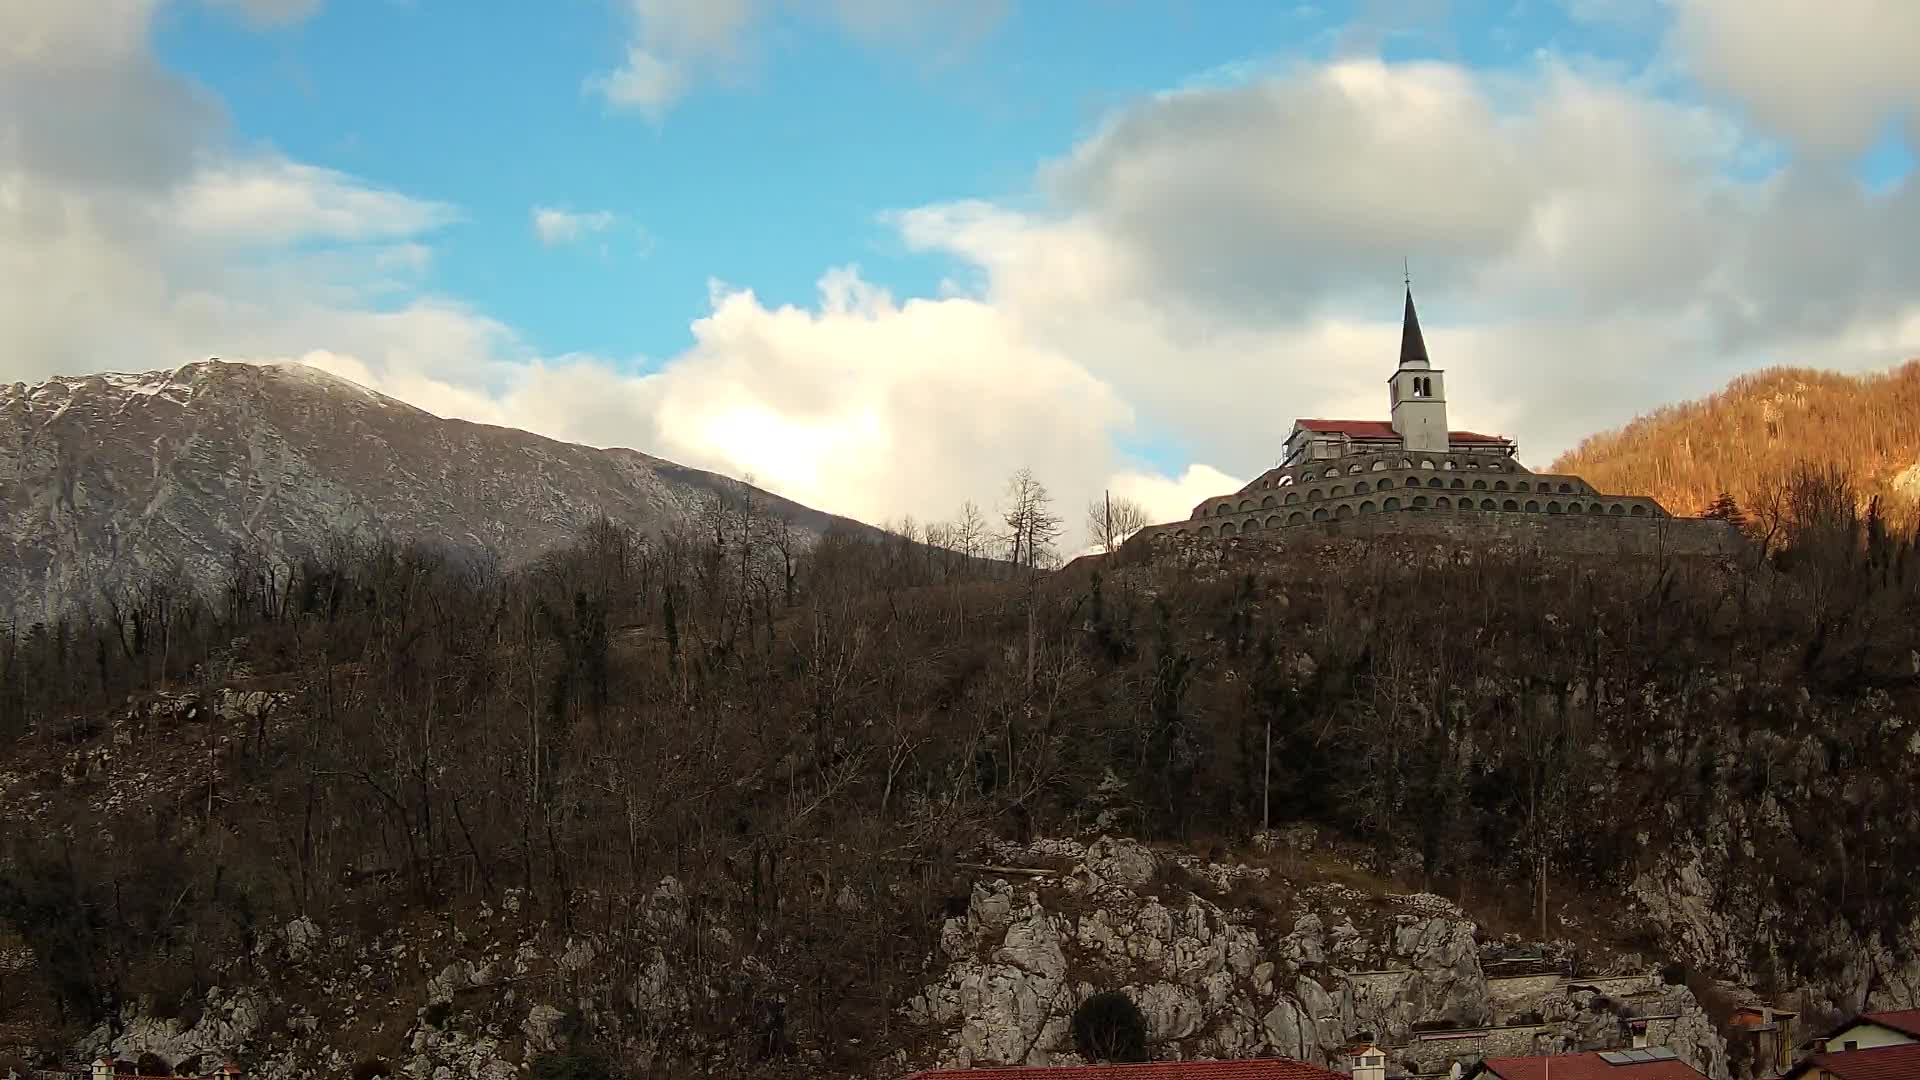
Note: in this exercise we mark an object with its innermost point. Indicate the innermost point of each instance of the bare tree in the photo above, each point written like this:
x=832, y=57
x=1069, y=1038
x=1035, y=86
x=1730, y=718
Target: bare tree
x=1110, y=521
x=1032, y=525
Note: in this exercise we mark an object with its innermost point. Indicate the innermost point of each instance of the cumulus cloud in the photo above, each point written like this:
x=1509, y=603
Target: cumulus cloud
x=556, y=227
x=1827, y=75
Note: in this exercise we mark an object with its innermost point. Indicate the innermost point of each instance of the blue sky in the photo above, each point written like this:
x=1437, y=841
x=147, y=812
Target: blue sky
x=879, y=253
x=764, y=178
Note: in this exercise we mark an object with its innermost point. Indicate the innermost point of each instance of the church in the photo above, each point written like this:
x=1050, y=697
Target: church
x=1411, y=463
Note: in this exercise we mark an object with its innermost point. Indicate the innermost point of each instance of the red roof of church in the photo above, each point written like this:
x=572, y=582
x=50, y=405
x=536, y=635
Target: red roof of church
x=1880, y=1063
x=1383, y=429
x=1259, y=1069
x=1587, y=1067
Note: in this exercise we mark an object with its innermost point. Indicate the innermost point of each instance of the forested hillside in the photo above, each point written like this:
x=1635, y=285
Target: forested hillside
x=795, y=754
x=1745, y=439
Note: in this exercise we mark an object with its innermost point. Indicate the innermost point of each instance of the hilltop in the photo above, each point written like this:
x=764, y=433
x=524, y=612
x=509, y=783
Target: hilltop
x=679, y=807
x=1747, y=438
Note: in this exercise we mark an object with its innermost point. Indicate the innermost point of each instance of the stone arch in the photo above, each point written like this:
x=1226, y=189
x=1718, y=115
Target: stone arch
x=1419, y=502
x=1385, y=483
x=1291, y=498
x=1639, y=510
x=1181, y=533
x=1224, y=508
x=1313, y=495
x=1226, y=528
x=1496, y=466
x=1361, y=488
x=1206, y=532
x=1330, y=473
x=1267, y=502
x=1390, y=504
x=1566, y=489
x=1533, y=506
x=1246, y=504
x=1479, y=485
x=1273, y=522
x=1489, y=504
x=1426, y=463
x=1355, y=467
x=1458, y=484
x=1343, y=511
x=1465, y=504
x=1443, y=503
x=1368, y=507
x=1434, y=482
x=1320, y=514
x=1596, y=508
x=1499, y=485
x=1284, y=481
x=1296, y=518
x=1616, y=509
x=1406, y=463
x=1509, y=505
x=1553, y=507
x=1379, y=464
x=1338, y=490
x=1448, y=465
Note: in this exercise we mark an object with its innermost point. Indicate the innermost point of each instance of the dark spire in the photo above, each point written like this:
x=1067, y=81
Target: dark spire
x=1413, y=347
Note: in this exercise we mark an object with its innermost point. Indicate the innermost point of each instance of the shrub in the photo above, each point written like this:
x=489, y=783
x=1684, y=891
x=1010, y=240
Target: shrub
x=152, y=1064
x=572, y=1066
x=1108, y=1027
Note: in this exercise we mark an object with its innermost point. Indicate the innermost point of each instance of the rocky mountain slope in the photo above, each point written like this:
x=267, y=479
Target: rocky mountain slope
x=652, y=812
x=106, y=479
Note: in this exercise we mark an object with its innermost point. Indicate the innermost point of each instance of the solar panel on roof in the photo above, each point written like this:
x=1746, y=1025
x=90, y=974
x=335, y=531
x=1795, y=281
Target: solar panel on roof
x=1615, y=1057
x=1661, y=1053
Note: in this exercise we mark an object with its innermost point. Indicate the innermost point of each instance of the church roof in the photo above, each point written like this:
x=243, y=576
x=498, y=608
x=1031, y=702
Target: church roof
x=1383, y=429
x=1413, y=347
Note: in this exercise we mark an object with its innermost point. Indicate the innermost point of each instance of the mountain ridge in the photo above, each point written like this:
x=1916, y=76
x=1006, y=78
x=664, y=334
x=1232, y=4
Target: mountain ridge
x=105, y=478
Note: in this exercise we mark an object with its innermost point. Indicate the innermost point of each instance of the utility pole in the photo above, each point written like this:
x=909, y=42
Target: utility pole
x=1266, y=781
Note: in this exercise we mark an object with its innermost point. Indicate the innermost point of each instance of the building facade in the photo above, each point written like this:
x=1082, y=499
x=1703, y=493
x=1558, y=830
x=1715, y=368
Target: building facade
x=1413, y=462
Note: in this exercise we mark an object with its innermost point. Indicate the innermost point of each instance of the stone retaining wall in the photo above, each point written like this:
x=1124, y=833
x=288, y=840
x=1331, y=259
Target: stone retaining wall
x=1568, y=534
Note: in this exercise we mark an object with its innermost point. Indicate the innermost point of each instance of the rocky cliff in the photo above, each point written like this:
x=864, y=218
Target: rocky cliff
x=107, y=479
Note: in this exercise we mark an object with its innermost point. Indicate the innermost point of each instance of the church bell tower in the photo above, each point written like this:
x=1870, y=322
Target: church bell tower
x=1419, y=391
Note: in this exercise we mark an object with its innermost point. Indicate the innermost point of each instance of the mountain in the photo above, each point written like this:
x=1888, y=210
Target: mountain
x=1746, y=437
x=109, y=478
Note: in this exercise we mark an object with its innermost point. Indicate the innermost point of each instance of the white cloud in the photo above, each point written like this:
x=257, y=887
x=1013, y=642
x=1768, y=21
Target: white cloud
x=276, y=202
x=1827, y=75
x=556, y=227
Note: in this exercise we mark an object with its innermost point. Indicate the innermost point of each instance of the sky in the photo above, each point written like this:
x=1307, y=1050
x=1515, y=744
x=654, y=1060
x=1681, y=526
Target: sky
x=878, y=254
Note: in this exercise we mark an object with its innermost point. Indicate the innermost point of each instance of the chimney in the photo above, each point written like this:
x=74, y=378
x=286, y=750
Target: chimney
x=1369, y=1063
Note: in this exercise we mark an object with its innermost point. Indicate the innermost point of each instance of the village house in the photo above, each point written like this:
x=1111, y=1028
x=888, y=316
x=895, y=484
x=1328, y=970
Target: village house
x=1870, y=1030
x=1253, y=1069
x=1893, y=1062
x=1654, y=1063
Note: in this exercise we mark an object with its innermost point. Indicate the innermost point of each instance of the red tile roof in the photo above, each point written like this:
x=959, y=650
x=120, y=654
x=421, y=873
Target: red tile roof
x=1383, y=429
x=1259, y=1069
x=1587, y=1067
x=1880, y=1063
x=1905, y=1021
